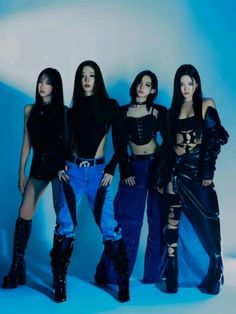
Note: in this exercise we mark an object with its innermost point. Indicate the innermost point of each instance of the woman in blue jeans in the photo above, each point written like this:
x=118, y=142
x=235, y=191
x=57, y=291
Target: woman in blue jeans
x=89, y=119
x=142, y=120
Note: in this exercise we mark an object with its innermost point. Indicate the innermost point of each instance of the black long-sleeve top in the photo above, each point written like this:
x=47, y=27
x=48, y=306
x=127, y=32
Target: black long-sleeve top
x=88, y=125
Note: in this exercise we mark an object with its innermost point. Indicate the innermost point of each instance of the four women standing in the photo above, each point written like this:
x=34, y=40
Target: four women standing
x=185, y=163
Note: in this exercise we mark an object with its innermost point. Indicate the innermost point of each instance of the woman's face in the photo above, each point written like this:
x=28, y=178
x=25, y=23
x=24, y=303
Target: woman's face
x=144, y=88
x=45, y=88
x=88, y=80
x=188, y=86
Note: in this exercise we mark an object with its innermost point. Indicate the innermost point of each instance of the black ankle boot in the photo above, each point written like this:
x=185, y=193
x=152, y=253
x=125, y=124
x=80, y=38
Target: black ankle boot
x=172, y=274
x=116, y=250
x=217, y=277
x=60, y=260
x=17, y=273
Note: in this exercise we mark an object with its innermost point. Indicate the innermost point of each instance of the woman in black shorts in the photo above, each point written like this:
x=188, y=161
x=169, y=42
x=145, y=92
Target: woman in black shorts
x=44, y=132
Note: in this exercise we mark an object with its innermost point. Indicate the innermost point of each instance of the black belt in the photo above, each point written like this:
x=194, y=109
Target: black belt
x=143, y=157
x=86, y=162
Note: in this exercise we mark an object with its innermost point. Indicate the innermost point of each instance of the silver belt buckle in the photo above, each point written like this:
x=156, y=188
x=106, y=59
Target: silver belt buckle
x=84, y=163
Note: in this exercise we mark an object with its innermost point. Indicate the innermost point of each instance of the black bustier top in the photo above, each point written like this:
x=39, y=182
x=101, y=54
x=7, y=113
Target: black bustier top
x=142, y=130
x=46, y=129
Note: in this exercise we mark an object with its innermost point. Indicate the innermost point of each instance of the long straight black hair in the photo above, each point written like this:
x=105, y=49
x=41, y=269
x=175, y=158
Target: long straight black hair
x=57, y=102
x=100, y=98
x=100, y=92
x=178, y=99
x=54, y=78
x=137, y=80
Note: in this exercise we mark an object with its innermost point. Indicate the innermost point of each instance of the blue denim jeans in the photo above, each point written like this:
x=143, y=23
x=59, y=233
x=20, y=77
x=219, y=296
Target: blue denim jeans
x=129, y=204
x=86, y=180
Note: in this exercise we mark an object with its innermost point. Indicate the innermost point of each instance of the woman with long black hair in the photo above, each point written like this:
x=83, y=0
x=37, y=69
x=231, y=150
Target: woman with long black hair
x=143, y=121
x=195, y=139
x=44, y=132
x=89, y=120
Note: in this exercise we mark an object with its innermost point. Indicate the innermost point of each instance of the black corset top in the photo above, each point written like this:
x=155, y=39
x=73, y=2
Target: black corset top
x=142, y=130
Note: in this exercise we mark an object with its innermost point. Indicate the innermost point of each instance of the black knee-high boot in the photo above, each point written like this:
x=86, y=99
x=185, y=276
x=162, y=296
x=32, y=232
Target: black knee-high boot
x=17, y=273
x=116, y=250
x=60, y=260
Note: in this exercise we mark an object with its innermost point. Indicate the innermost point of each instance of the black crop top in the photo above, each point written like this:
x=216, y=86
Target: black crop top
x=46, y=129
x=90, y=123
x=142, y=130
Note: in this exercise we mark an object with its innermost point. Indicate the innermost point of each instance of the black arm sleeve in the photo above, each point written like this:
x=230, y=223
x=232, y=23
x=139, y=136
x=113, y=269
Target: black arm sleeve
x=120, y=142
x=214, y=136
x=111, y=166
x=163, y=124
x=165, y=156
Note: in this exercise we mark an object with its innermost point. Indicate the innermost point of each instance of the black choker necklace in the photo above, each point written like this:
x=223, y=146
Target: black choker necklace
x=140, y=104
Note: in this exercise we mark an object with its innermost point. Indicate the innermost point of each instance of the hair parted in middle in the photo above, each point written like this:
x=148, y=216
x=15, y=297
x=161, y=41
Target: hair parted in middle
x=178, y=99
x=137, y=80
x=100, y=91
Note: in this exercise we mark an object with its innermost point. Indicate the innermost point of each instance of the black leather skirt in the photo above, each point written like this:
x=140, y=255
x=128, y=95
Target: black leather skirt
x=199, y=203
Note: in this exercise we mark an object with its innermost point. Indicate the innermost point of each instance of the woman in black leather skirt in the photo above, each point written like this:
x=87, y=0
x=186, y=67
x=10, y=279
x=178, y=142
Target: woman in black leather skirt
x=44, y=132
x=195, y=138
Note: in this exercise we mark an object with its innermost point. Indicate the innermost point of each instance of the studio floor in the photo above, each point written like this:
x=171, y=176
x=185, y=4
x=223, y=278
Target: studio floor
x=86, y=298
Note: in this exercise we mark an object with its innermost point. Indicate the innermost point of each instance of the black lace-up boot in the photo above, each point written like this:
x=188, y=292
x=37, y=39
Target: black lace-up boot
x=17, y=273
x=60, y=260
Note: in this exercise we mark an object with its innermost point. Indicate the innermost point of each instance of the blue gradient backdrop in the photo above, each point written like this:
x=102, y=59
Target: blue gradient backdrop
x=124, y=37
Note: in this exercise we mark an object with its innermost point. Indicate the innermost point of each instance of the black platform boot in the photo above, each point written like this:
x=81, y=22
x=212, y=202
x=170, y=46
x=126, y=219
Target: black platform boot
x=60, y=260
x=116, y=250
x=216, y=273
x=172, y=274
x=17, y=273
